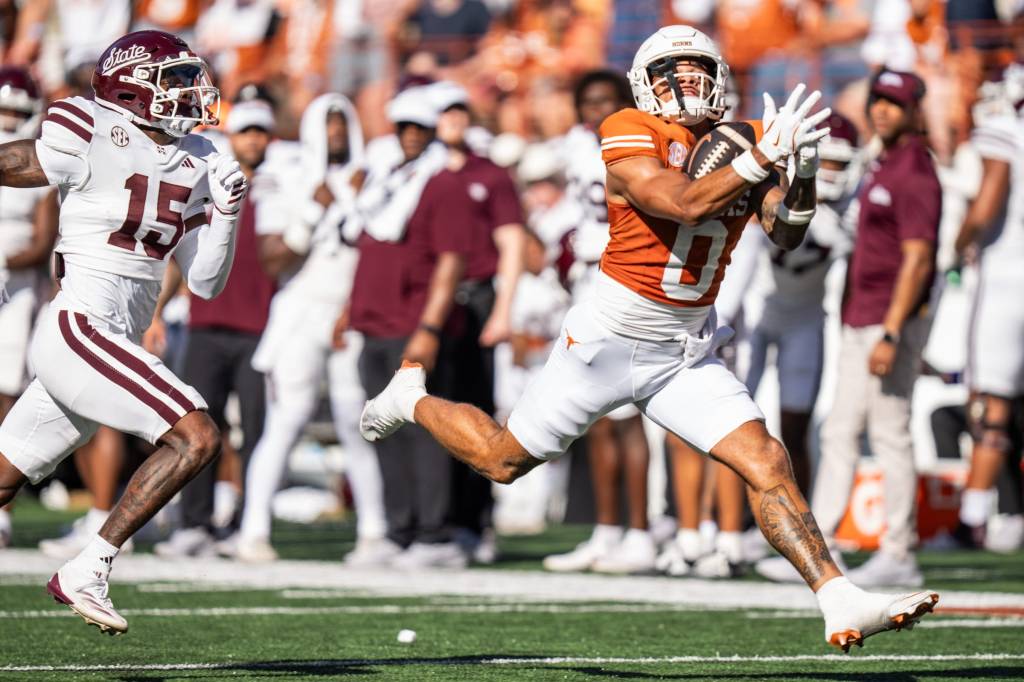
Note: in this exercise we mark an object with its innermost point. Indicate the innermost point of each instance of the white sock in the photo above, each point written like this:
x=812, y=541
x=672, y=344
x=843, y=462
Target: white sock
x=5, y=521
x=976, y=505
x=689, y=542
x=97, y=557
x=708, y=530
x=730, y=543
x=606, y=534
x=837, y=593
x=95, y=518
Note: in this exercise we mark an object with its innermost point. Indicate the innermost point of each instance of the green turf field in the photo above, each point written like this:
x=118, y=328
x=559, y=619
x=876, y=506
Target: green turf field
x=217, y=631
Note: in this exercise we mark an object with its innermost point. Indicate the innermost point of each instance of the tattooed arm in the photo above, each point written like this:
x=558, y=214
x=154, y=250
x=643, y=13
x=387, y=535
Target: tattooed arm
x=786, y=215
x=19, y=165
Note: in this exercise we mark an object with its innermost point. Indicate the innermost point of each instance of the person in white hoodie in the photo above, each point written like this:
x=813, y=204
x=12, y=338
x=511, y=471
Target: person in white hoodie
x=300, y=348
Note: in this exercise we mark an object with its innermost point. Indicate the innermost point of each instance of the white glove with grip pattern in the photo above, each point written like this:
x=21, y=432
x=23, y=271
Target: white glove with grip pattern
x=789, y=128
x=227, y=184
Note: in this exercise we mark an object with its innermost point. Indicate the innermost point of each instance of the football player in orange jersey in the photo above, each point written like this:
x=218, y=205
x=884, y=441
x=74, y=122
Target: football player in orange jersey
x=647, y=337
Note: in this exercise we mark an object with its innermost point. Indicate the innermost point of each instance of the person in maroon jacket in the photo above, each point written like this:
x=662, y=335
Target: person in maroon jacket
x=495, y=255
x=884, y=330
x=410, y=263
x=224, y=332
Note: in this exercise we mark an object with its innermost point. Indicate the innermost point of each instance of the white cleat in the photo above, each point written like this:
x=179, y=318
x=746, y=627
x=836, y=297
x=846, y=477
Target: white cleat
x=874, y=613
x=86, y=594
x=372, y=553
x=779, y=570
x=635, y=555
x=69, y=545
x=717, y=565
x=420, y=555
x=186, y=542
x=887, y=569
x=1005, y=533
x=586, y=553
x=672, y=562
x=382, y=415
x=255, y=551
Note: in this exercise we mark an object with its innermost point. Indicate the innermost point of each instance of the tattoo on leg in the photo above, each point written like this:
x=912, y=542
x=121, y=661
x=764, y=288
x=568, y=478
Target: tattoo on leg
x=154, y=484
x=795, y=535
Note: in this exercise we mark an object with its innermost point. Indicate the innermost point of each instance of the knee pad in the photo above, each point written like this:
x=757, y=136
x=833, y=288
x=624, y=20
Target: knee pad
x=985, y=431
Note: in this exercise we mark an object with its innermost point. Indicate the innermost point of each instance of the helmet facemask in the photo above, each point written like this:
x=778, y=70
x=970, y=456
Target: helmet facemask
x=833, y=184
x=694, y=95
x=183, y=95
x=20, y=112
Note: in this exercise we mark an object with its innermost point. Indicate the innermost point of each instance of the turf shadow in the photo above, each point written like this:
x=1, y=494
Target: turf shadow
x=988, y=672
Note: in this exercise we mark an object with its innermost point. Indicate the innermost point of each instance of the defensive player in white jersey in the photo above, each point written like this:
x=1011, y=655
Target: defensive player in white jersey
x=650, y=337
x=786, y=306
x=616, y=443
x=135, y=188
x=28, y=228
x=297, y=350
x=992, y=235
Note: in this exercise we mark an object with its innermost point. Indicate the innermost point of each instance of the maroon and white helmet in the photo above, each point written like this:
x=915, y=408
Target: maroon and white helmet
x=841, y=145
x=155, y=80
x=21, y=103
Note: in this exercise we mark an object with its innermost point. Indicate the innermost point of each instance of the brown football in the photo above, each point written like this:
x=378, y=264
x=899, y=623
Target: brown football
x=718, y=148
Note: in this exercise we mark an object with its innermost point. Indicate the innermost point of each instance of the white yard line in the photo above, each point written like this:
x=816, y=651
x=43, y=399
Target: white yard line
x=483, y=660
x=489, y=583
x=379, y=609
x=396, y=609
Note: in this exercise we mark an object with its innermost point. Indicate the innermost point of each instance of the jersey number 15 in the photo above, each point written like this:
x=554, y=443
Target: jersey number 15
x=138, y=188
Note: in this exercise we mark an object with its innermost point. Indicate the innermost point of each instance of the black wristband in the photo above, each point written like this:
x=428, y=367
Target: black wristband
x=436, y=331
x=891, y=338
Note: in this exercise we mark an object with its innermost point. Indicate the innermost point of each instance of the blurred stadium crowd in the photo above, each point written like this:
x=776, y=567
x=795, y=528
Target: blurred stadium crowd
x=466, y=131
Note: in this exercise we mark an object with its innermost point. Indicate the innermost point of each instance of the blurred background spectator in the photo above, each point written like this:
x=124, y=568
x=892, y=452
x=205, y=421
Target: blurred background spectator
x=516, y=63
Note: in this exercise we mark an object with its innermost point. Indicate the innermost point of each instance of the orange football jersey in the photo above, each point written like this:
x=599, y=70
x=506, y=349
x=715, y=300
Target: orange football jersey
x=657, y=258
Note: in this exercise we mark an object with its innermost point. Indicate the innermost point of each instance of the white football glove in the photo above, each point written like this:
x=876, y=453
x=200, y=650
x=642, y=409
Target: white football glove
x=790, y=128
x=227, y=184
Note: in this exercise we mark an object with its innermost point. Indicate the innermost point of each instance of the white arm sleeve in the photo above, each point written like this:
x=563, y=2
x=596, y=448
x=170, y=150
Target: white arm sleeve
x=205, y=255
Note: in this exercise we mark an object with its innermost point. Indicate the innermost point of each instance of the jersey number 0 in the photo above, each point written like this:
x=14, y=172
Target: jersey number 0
x=694, y=261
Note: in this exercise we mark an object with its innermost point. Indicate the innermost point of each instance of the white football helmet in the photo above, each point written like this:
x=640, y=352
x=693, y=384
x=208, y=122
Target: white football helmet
x=657, y=59
x=1000, y=98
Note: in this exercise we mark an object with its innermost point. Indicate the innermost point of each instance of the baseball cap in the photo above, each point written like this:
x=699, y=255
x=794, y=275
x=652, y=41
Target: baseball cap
x=902, y=87
x=447, y=94
x=413, y=105
x=250, y=114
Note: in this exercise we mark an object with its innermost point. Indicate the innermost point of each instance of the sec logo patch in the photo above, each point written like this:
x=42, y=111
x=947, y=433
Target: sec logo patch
x=119, y=136
x=676, y=154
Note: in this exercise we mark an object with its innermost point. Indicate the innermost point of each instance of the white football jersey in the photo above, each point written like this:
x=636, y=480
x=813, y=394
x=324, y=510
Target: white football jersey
x=329, y=270
x=795, y=280
x=586, y=176
x=127, y=202
x=1002, y=138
